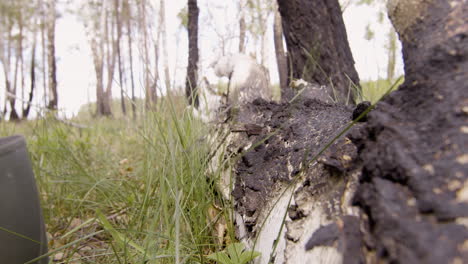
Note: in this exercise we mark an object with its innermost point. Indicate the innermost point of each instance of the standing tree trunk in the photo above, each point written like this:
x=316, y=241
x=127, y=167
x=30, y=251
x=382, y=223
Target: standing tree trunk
x=281, y=59
x=44, y=50
x=110, y=55
x=318, y=47
x=13, y=114
x=392, y=51
x=53, y=95
x=192, y=66
x=118, y=24
x=150, y=91
x=242, y=31
x=162, y=24
x=99, y=41
x=242, y=26
x=27, y=109
x=128, y=17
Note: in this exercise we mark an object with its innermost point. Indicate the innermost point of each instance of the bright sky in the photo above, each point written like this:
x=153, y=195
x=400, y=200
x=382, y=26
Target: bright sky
x=75, y=68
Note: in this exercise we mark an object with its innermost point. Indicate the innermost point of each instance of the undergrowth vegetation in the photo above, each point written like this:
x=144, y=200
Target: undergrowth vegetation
x=123, y=191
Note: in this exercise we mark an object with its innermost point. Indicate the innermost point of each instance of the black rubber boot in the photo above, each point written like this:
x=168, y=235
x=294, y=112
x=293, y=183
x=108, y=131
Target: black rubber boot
x=22, y=229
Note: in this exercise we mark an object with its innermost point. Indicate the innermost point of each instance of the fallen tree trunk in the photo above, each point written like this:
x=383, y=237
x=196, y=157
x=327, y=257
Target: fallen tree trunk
x=392, y=190
x=282, y=192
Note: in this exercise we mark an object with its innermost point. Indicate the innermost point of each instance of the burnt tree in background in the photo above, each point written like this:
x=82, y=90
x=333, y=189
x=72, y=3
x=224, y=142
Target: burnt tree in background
x=318, y=48
x=52, y=65
x=192, y=67
x=281, y=59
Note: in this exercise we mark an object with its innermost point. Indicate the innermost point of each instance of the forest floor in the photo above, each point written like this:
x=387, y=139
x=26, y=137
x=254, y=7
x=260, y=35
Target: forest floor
x=124, y=191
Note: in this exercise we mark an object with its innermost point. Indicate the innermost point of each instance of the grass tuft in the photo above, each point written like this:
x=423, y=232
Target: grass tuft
x=124, y=191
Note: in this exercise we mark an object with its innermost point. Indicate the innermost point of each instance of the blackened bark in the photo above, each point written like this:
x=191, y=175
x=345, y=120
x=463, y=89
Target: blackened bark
x=33, y=81
x=53, y=95
x=414, y=149
x=318, y=47
x=192, y=67
x=281, y=59
x=242, y=31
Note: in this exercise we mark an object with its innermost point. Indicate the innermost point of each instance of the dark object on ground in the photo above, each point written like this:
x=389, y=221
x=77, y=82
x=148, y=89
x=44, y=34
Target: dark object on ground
x=361, y=108
x=22, y=229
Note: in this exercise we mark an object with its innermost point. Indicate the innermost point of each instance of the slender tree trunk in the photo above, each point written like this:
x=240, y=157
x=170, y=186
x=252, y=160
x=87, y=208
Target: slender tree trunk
x=99, y=71
x=53, y=95
x=281, y=60
x=150, y=93
x=162, y=16
x=392, y=46
x=242, y=27
x=119, y=56
x=33, y=80
x=130, y=53
x=192, y=66
x=13, y=114
x=110, y=55
x=318, y=47
x=6, y=60
x=98, y=50
x=44, y=51
x=21, y=58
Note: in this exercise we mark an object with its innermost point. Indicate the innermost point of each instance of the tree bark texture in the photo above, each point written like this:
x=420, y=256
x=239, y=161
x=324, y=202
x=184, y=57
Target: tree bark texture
x=242, y=31
x=128, y=16
x=27, y=109
x=318, y=48
x=192, y=67
x=118, y=24
x=391, y=190
x=281, y=59
x=414, y=149
x=162, y=17
x=52, y=66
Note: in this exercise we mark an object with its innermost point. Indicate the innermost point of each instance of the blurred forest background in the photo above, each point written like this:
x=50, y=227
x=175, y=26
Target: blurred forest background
x=60, y=55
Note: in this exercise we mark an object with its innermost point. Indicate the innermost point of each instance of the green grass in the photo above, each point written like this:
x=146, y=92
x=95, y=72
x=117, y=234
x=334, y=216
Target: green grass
x=373, y=90
x=123, y=191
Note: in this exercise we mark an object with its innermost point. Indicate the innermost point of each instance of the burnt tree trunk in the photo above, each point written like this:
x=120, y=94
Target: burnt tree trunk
x=318, y=47
x=53, y=95
x=27, y=109
x=414, y=183
x=281, y=59
x=192, y=67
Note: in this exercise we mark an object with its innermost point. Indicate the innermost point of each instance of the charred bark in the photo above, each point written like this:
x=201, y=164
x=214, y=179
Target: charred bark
x=318, y=49
x=414, y=180
x=281, y=59
x=52, y=67
x=27, y=109
x=192, y=67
